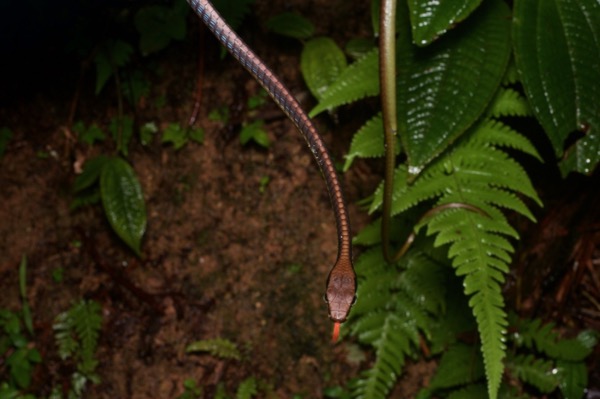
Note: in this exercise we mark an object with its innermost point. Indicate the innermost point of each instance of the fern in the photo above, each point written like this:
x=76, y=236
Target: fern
x=509, y=102
x=534, y=371
x=476, y=171
x=395, y=309
x=247, y=389
x=533, y=334
x=76, y=335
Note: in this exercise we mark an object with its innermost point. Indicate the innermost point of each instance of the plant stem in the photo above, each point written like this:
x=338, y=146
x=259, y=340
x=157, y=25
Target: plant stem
x=387, y=77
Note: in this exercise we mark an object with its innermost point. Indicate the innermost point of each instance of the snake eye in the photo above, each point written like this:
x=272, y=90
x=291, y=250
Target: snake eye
x=325, y=298
x=354, y=300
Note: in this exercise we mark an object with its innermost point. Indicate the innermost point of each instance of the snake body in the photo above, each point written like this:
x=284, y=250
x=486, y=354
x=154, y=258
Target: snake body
x=341, y=282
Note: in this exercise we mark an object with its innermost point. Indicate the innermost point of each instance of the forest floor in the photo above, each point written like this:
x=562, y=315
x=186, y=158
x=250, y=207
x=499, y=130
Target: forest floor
x=239, y=239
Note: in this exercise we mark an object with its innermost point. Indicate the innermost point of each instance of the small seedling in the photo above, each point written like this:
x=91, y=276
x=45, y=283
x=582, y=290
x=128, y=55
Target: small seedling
x=255, y=131
x=263, y=183
x=89, y=135
x=179, y=136
x=220, y=114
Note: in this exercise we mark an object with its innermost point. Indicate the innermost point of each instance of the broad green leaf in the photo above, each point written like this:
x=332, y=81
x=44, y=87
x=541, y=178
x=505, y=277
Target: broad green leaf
x=445, y=87
x=459, y=365
x=123, y=202
x=557, y=50
x=358, y=47
x=233, y=11
x=158, y=25
x=111, y=56
x=292, y=25
x=321, y=63
x=359, y=80
x=431, y=19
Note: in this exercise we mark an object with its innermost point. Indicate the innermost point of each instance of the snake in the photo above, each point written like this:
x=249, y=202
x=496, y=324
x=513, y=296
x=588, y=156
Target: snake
x=340, y=293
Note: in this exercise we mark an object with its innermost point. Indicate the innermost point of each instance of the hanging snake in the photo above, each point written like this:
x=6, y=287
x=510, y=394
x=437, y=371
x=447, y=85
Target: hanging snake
x=341, y=281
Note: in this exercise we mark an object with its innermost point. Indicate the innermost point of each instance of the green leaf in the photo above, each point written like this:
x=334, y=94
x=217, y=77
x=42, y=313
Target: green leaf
x=476, y=391
x=5, y=137
x=430, y=19
x=146, y=132
x=91, y=173
x=255, y=131
x=557, y=50
x=233, y=11
x=359, y=80
x=175, y=135
x=445, y=87
x=460, y=364
x=321, y=62
x=121, y=129
x=219, y=347
x=90, y=135
x=197, y=134
x=123, y=202
x=110, y=56
x=358, y=47
x=136, y=87
x=158, y=25
x=573, y=378
x=291, y=25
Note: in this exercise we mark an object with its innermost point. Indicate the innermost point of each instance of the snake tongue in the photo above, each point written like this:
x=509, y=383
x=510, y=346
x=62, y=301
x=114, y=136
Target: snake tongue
x=336, y=331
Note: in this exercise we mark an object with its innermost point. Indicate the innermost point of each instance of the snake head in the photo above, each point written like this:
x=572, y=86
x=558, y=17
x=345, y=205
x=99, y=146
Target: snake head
x=340, y=294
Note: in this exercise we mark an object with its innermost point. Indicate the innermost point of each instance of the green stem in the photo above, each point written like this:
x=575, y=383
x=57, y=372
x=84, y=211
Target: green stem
x=387, y=77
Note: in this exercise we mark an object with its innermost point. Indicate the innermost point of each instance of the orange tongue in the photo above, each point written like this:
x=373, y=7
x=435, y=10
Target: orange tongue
x=336, y=332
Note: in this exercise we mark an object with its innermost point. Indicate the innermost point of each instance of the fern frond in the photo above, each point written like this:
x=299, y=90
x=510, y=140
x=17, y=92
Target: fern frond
x=87, y=321
x=247, y=389
x=534, y=371
x=532, y=333
x=76, y=334
x=393, y=310
x=358, y=80
x=509, y=102
x=392, y=346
